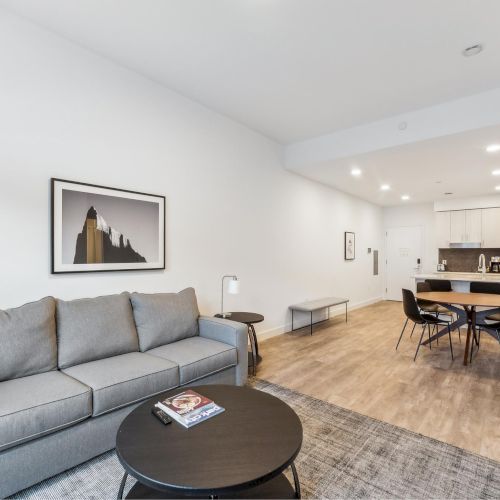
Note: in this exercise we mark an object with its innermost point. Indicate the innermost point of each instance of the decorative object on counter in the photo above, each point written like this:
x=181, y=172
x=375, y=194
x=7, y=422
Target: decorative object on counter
x=98, y=228
x=233, y=288
x=349, y=245
x=442, y=265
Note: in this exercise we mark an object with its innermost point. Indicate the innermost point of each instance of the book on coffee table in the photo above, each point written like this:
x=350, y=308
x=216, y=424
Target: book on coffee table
x=189, y=408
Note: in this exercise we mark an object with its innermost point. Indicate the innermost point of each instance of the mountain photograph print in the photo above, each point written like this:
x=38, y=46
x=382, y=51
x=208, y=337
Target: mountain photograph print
x=97, y=228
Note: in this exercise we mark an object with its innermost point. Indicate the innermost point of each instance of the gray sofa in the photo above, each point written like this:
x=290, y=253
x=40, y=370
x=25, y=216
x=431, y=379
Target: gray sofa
x=70, y=371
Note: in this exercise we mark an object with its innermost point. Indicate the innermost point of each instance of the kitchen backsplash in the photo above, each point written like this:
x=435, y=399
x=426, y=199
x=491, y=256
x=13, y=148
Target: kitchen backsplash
x=465, y=259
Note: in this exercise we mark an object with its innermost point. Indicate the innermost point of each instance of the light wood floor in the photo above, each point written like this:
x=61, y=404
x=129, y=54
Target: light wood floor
x=356, y=366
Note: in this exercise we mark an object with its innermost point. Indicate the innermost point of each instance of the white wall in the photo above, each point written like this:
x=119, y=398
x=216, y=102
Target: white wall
x=231, y=208
x=416, y=215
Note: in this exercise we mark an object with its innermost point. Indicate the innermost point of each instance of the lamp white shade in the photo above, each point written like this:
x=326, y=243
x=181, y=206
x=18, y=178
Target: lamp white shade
x=234, y=286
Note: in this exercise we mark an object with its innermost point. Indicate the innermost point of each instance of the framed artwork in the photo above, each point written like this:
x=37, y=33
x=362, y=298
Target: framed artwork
x=349, y=246
x=98, y=228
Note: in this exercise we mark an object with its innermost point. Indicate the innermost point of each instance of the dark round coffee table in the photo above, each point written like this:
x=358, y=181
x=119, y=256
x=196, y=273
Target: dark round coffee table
x=249, y=319
x=240, y=453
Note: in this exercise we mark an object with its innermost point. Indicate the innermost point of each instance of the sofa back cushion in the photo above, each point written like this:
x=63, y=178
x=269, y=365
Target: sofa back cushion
x=28, y=339
x=97, y=328
x=163, y=318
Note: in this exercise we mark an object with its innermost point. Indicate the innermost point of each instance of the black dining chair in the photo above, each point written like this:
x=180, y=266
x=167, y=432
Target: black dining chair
x=439, y=285
x=492, y=288
x=413, y=313
x=427, y=305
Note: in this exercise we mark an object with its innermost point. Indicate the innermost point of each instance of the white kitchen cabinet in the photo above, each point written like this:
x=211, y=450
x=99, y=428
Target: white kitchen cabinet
x=443, y=229
x=473, y=227
x=491, y=227
x=457, y=226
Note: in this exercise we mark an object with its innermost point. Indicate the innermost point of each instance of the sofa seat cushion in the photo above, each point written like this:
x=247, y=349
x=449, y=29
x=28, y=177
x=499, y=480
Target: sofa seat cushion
x=28, y=339
x=97, y=328
x=33, y=406
x=197, y=357
x=125, y=379
x=162, y=318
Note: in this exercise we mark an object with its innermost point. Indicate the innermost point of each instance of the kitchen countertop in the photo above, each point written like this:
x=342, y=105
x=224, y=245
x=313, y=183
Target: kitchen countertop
x=488, y=277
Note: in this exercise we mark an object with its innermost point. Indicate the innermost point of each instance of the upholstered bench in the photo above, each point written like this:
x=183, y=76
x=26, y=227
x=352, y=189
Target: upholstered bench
x=318, y=305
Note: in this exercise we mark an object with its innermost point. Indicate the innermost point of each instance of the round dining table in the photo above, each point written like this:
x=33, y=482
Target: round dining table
x=464, y=305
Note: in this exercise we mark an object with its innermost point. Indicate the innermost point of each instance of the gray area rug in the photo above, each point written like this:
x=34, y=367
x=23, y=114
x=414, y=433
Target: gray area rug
x=344, y=455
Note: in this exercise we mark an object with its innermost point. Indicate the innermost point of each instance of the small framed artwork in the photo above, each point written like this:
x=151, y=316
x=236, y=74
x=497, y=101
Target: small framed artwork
x=98, y=228
x=349, y=246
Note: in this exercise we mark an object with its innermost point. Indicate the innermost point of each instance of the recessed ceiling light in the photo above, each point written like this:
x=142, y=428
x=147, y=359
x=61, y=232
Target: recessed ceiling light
x=493, y=148
x=495, y=172
x=405, y=197
x=385, y=187
x=497, y=188
x=356, y=172
x=473, y=50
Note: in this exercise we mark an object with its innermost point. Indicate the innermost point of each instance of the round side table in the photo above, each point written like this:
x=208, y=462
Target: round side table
x=249, y=319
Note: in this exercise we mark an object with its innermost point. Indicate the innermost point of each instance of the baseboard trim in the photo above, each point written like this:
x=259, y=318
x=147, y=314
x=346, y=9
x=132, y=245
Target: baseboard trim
x=334, y=311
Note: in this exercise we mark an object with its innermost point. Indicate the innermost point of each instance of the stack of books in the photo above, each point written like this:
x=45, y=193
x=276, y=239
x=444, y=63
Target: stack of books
x=189, y=408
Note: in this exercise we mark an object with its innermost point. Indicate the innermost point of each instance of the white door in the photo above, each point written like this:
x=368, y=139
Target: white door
x=403, y=254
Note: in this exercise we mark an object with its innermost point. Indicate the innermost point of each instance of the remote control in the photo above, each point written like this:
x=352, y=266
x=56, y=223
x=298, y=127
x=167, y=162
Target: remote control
x=161, y=415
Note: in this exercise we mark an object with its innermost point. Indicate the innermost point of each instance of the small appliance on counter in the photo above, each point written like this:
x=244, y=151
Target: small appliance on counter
x=495, y=264
x=442, y=265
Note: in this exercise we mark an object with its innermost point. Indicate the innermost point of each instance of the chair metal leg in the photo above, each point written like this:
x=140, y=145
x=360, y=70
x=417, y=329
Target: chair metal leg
x=412, y=330
x=402, y=331
x=449, y=337
x=419, y=342
x=429, y=330
x=434, y=329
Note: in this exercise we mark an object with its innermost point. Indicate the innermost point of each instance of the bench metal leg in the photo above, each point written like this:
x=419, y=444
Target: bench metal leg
x=311, y=322
x=292, y=320
x=346, y=312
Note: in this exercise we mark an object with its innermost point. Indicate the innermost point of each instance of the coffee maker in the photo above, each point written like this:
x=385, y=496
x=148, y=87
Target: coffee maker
x=495, y=264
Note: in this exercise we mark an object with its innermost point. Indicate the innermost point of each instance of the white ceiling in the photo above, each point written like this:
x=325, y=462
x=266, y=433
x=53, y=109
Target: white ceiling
x=424, y=170
x=292, y=69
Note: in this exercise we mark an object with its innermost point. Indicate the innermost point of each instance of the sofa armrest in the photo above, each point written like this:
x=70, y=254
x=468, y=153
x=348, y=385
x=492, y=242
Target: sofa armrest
x=232, y=333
